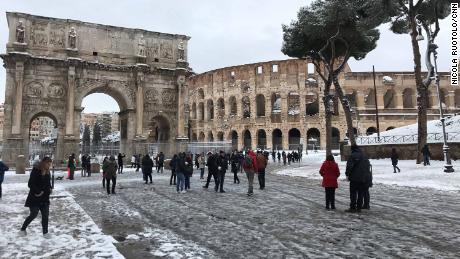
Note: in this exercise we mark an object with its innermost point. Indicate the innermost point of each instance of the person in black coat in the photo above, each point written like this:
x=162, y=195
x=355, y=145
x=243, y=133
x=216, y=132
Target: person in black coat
x=3, y=168
x=222, y=166
x=173, y=165
x=120, y=162
x=212, y=170
x=147, y=168
x=358, y=172
x=394, y=160
x=426, y=155
x=39, y=194
x=235, y=160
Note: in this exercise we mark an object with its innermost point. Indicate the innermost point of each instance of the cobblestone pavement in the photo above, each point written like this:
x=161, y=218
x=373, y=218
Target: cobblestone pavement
x=286, y=220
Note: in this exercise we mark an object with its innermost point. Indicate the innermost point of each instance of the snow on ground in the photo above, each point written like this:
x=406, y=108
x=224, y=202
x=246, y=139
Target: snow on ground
x=73, y=234
x=411, y=175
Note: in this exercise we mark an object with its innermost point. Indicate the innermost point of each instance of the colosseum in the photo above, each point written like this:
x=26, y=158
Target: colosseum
x=278, y=104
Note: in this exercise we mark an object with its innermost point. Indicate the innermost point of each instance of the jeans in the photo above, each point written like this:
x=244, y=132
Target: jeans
x=250, y=181
x=0, y=190
x=357, y=190
x=221, y=180
x=261, y=177
x=330, y=197
x=202, y=173
x=366, y=198
x=114, y=183
x=44, y=210
x=173, y=176
x=147, y=177
x=235, y=177
x=180, y=181
x=216, y=180
x=187, y=181
x=120, y=168
x=396, y=167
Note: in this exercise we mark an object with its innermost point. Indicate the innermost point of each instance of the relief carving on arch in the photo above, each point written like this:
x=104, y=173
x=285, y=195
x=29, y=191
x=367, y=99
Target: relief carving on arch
x=34, y=89
x=151, y=96
x=56, y=90
x=168, y=98
x=166, y=50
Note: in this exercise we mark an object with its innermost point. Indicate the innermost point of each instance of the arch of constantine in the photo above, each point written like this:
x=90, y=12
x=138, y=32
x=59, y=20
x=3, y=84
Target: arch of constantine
x=52, y=64
x=278, y=104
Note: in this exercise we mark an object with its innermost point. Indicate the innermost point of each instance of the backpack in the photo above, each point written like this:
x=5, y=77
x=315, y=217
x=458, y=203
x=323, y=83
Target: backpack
x=248, y=165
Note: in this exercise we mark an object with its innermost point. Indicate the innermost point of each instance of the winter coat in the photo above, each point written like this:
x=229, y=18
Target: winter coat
x=212, y=164
x=188, y=169
x=358, y=168
x=181, y=166
x=173, y=164
x=120, y=159
x=254, y=160
x=71, y=163
x=235, y=161
x=38, y=183
x=426, y=151
x=3, y=168
x=330, y=172
x=161, y=159
x=110, y=169
x=202, y=162
x=147, y=165
x=222, y=163
x=261, y=162
x=394, y=158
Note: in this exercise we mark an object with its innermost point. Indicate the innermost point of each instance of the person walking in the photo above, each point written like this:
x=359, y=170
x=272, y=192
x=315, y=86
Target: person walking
x=261, y=165
x=212, y=171
x=173, y=166
x=330, y=172
x=120, y=162
x=71, y=166
x=250, y=167
x=359, y=174
x=283, y=154
x=138, y=162
x=110, y=169
x=202, y=165
x=133, y=161
x=273, y=156
x=88, y=165
x=161, y=161
x=180, y=173
x=38, y=198
x=188, y=170
x=83, y=166
x=426, y=155
x=279, y=156
x=394, y=160
x=222, y=166
x=3, y=169
x=235, y=160
x=147, y=168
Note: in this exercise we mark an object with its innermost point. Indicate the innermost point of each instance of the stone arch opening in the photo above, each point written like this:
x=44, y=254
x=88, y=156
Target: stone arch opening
x=293, y=106
x=369, y=98
x=210, y=109
x=351, y=96
x=294, y=139
x=371, y=130
x=194, y=111
x=234, y=137
x=201, y=111
x=194, y=136
x=311, y=104
x=210, y=136
x=246, y=107
x=233, y=106
x=389, y=99
x=221, y=107
x=201, y=137
x=408, y=98
x=261, y=139
x=277, y=139
x=247, y=140
x=220, y=136
x=200, y=94
x=43, y=136
x=313, y=139
x=335, y=138
x=260, y=105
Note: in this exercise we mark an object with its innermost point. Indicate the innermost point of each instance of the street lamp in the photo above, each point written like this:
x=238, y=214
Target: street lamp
x=433, y=74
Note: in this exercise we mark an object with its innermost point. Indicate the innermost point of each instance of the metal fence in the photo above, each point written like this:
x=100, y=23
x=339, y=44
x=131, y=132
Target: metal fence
x=407, y=139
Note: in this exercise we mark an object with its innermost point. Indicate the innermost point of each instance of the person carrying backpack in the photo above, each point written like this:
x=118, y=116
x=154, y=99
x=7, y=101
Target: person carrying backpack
x=250, y=167
x=261, y=165
x=358, y=172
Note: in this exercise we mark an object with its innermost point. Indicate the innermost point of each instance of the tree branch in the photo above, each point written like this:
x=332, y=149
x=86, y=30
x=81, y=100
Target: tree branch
x=403, y=6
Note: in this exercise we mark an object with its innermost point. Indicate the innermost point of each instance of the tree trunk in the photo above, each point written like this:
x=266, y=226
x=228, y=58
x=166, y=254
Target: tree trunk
x=346, y=109
x=421, y=90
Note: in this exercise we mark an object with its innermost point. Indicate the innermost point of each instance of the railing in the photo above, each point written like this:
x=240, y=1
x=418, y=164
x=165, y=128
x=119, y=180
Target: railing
x=407, y=139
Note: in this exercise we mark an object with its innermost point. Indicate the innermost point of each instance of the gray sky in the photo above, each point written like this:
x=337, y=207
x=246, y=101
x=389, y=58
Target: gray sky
x=224, y=33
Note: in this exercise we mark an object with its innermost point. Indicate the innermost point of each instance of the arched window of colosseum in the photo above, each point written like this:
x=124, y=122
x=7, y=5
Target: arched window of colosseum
x=201, y=136
x=313, y=139
x=408, y=95
x=294, y=139
x=246, y=107
x=277, y=139
x=293, y=104
x=275, y=68
x=371, y=130
x=351, y=96
x=233, y=106
x=311, y=104
x=261, y=139
x=335, y=138
x=221, y=107
x=247, y=140
x=201, y=93
x=369, y=98
x=310, y=69
x=210, y=136
x=457, y=98
x=260, y=70
x=276, y=103
x=210, y=108
x=260, y=105
x=194, y=111
x=234, y=137
x=220, y=136
x=194, y=137
x=232, y=76
x=201, y=111
x=389, y=99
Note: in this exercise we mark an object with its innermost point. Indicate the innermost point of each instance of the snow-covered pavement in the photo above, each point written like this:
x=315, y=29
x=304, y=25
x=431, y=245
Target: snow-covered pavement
x=287, y=220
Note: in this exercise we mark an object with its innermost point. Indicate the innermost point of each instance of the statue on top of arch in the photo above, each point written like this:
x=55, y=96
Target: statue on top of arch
x=20, y=33
x=141, y=46
x=72, y=38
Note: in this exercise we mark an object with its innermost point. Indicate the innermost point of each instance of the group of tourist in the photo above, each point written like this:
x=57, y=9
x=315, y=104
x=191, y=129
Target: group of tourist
x=294, y=156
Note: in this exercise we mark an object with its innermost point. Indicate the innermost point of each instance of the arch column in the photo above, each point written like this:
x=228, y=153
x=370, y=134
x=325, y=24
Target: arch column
x=69, y=118
x=360, y=99
x=17, y=110
x=285, y=138
x=451, y=100
x=380, y=99
x=269, y=137
x=399, y=100
x=254, y=138
x=284, y=108
x=139, y=102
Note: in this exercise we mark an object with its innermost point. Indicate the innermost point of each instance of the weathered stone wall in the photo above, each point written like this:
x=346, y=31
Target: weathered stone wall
x=405, y=152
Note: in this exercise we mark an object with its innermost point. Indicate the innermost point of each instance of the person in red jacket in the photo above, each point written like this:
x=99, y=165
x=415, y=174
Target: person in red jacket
x=330, y=172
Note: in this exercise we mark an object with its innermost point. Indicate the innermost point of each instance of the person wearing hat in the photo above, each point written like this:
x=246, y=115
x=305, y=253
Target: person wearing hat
x=39, y=195
x=110, y=168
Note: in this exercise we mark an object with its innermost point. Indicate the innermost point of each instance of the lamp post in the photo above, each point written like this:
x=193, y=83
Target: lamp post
x=433, y=74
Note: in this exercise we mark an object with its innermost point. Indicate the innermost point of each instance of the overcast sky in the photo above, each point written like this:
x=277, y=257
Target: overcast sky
x=224, y=33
